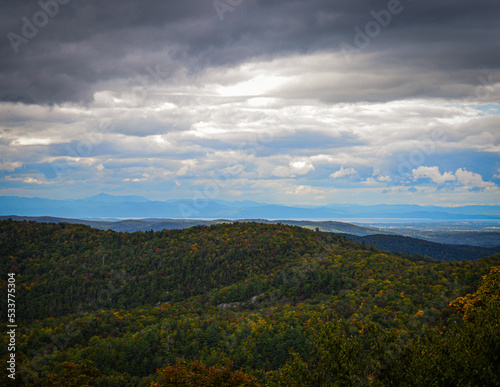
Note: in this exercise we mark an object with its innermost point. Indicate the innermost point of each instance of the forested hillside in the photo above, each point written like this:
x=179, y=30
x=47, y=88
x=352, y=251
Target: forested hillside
x=439, y=251
x=242, y=304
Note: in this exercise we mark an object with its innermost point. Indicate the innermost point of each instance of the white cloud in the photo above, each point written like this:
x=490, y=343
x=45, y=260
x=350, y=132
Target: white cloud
x=189, y=128
x=300, y=167
x=384, y=178
x=462, y=176
x=29, y=180
x=305, y=190
x=433, y=173
x=32, y=141
x=343, y=172
x=145, y=177
x=8, y=166
x=471, y=179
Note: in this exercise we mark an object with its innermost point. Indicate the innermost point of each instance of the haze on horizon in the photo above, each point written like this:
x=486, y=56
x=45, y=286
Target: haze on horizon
x=304, y=102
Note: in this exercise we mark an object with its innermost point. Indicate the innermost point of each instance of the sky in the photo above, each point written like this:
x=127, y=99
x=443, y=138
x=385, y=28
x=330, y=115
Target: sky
x=300, y=102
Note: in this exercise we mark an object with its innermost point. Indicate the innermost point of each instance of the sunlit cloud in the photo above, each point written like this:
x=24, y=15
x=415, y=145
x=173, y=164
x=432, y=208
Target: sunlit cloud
x=434, y=174
x=342, y=172
x=267, y=105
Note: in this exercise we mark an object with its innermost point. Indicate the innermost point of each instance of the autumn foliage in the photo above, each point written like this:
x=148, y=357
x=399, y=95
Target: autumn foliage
x=197, y=374
x=487, y=295
x=277, y=305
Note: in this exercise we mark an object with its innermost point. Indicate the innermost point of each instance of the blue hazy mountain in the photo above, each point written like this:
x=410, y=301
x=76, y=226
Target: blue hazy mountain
x=120, y=207
x=105, y=198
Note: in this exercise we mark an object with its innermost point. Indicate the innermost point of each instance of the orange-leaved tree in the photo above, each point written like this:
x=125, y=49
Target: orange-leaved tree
x=488, y=294
x=197, y=374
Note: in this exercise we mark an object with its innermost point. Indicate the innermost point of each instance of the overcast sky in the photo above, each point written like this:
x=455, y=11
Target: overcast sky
x=293, y=102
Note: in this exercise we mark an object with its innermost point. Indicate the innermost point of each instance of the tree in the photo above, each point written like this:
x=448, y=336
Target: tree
x=73, y=375
x=197, y=374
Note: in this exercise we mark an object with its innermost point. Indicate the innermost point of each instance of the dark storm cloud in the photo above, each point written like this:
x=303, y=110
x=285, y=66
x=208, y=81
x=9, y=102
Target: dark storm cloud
x=86, y=44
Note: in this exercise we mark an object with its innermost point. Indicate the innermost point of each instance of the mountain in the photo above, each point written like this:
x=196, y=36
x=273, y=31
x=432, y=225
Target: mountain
x=459, y=245
x=438, y=251
x=105, y=198
x=258, y=304
x=158, y=224
x=120, y=207
x=482, y=238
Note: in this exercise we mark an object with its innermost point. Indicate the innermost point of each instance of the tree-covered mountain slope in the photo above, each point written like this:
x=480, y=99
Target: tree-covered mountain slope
x=158, y=224
x=439, y=251
x=241, y=304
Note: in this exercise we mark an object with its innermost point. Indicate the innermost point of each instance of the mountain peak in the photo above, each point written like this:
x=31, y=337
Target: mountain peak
x=106, y=198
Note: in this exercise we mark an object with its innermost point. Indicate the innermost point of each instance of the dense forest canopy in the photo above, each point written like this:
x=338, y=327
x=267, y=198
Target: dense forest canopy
x=243, y=304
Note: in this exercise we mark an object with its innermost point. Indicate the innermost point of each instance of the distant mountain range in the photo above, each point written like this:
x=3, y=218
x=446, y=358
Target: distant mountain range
x=105, y=206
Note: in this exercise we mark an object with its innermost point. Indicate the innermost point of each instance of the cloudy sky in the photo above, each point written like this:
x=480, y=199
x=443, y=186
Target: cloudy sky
x=293, y=102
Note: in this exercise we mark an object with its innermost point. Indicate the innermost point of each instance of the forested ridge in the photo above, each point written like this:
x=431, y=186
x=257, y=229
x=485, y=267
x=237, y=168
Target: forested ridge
x=439, y=251
x=243, y=304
